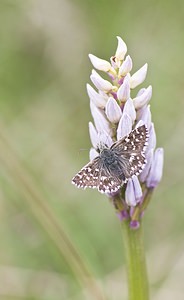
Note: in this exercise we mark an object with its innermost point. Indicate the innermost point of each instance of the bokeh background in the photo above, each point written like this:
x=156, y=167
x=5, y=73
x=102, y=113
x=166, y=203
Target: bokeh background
x=45, y=223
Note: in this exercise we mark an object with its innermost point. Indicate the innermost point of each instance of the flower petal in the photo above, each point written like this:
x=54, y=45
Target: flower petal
x=138, y=77
x=100, y=64
x=113, y=110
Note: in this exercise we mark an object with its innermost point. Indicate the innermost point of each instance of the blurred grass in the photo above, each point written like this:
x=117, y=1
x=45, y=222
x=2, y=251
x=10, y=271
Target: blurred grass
x=45, y=111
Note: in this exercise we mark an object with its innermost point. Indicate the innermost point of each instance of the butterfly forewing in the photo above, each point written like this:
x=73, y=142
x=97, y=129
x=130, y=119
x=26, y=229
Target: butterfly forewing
x=132, y=151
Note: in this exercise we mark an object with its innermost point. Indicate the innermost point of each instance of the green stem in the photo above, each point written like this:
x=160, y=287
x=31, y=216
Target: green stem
x=135, y=262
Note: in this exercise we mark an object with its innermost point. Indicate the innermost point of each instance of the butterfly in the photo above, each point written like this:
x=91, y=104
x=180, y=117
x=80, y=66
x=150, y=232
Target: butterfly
x=116, y=164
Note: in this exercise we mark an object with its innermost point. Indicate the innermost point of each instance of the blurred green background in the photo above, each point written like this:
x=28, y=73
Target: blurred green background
x=44, y=110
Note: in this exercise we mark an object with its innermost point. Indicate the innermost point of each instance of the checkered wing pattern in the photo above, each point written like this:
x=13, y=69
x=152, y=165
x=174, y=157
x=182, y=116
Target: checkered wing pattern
x=94, y=176
x=88, y=176
x=131, y=151
x=107, y=174
x=108, y=183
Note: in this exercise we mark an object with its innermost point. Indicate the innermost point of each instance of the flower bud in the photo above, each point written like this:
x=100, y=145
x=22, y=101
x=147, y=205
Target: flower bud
x=129, y=109
x=156, y=171
x=121, y=49
x=123, y=215
x=100, y=83
x=126, y=66
x=145, y=172
x=143, y=99
x=93, y=154
x=93, y=135
x=100, y=64
x=138, y=77
x=124, y=126
x=113, y=110
x=97, y=99
x=137, y=189
x=129, y=193
x=101, y=123
x=144, y=114
x=134, y=224
x=152, y=138
x=123, y=92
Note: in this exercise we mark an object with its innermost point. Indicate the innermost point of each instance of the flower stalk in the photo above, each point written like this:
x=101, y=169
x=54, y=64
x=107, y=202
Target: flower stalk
x=135, y=262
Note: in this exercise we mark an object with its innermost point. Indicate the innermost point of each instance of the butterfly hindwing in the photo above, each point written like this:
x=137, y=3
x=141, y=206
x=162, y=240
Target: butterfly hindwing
x=107, y=183
x=88, y=176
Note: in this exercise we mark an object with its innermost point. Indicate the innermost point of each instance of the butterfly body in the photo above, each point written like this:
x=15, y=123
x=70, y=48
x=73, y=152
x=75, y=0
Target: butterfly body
x=115, y=165
x=111, y=161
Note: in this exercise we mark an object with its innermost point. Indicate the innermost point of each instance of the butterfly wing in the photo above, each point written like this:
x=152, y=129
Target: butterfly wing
x=88, y=176
x=131, y=151
x=107, y=183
